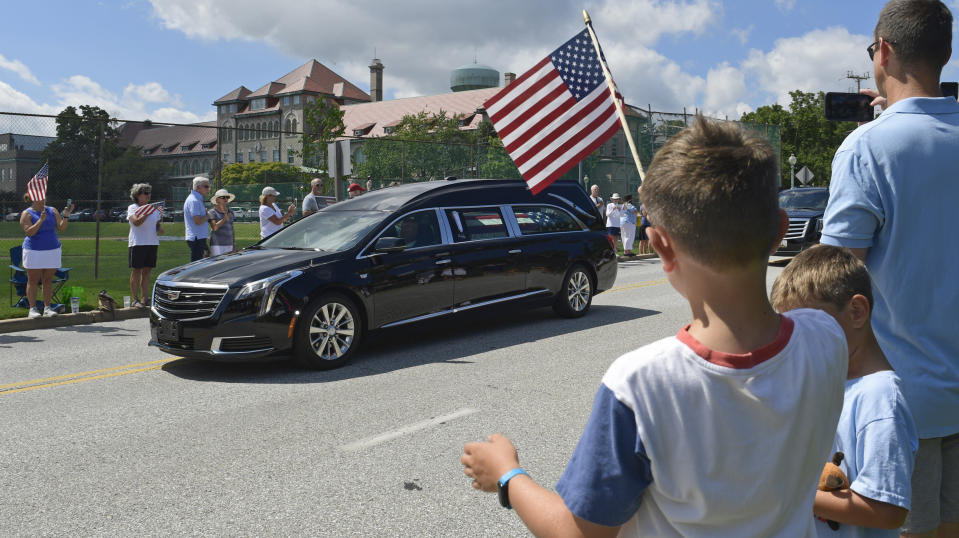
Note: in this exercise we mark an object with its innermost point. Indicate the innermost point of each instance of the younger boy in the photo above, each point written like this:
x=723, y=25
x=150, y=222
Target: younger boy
x=723, y=429
x=876, y=432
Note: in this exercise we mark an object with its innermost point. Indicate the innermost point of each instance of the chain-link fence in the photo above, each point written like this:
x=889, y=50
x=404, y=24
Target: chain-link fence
x=95, y=159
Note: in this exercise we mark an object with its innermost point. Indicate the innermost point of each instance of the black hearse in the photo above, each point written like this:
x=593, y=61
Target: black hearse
x=386, y=258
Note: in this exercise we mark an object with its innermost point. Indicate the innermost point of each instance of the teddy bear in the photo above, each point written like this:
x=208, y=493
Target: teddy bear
x=832, y=478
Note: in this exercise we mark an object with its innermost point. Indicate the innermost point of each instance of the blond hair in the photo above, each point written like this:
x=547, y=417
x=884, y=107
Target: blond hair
x=823, y=274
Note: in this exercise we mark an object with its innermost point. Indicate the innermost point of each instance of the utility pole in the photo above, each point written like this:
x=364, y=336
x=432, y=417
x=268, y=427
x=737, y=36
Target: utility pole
x=857, y=78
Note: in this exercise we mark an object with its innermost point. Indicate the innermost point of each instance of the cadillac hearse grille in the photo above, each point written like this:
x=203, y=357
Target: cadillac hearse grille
x=797, y=228
x=196, y=301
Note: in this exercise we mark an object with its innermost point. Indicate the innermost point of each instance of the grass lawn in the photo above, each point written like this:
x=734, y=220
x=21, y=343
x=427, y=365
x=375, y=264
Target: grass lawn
x=114, y=274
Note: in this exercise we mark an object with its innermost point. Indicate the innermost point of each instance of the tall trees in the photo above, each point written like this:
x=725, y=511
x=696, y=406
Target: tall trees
x=74, y=155
x=322, y=124
x=804, y=132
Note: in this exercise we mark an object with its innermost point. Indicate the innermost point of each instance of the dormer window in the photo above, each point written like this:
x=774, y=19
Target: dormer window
x=389, y=130
x=258, y=104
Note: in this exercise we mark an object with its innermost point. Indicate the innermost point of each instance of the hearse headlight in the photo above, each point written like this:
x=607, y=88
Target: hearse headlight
x=263, y=291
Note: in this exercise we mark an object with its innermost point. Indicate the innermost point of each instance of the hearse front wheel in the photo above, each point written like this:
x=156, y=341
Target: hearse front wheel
x=329, y=332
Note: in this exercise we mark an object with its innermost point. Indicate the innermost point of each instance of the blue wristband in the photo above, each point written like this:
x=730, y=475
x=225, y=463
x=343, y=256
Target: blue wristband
x=503, y=486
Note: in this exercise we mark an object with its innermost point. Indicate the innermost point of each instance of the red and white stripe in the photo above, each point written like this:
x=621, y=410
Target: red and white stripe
x=37, y=188
x=543, y=127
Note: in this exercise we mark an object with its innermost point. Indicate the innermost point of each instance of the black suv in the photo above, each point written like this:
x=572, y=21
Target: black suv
x=386, y=258
x=805, y=207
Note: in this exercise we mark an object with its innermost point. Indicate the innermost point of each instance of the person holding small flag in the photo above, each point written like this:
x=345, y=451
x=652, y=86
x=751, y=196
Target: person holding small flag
x=222, y=238
x=41, y=247
x=144, y=242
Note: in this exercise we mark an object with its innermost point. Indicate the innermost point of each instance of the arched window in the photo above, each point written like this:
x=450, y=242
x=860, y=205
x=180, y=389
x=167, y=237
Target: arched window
x=240, y=135
x=289, y=126
x=276, y=129
x=206, y=165
x=176, y=168
x=294, y=125
x=196, y=166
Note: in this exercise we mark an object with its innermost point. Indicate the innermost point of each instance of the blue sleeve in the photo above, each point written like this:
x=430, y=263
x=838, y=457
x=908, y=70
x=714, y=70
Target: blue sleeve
x=609, y=471
x=190, y=209
x=854, y=212
x=886, y=451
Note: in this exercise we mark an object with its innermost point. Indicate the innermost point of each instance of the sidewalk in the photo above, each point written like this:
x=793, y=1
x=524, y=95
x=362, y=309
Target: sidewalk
x=64, y=320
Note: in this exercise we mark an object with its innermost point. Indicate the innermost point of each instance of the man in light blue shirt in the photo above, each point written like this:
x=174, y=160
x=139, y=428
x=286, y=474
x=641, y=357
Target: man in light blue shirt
x=195, y=218
x=892, y=196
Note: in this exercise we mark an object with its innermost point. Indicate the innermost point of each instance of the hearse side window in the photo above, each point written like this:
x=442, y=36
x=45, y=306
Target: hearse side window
x=476, y=224
x=543, y=219
x=420, y=229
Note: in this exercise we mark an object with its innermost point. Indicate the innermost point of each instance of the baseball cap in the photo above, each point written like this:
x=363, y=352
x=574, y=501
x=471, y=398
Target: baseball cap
x=267, y=191
x=355, y=187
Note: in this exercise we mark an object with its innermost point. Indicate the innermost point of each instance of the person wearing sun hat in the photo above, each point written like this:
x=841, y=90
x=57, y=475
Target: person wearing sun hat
x=271, y=218
x=614, y=215
x=355, y=189
x=221, y=223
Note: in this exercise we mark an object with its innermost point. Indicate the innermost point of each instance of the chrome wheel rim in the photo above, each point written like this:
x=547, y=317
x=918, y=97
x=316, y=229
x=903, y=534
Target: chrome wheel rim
x=331, y=331
x=577, y=293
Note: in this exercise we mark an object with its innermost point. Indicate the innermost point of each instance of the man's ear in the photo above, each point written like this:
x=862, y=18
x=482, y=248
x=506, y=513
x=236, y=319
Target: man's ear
x=662, y=243
x=783, y=228
x=857, y=311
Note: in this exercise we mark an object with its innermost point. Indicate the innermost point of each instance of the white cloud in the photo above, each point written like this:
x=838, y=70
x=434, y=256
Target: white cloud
x=17, y=67
x=151, y=92
x=742, y=34
x=452, y=33
x=725, y=89
x=785, y=5
x=816, y=61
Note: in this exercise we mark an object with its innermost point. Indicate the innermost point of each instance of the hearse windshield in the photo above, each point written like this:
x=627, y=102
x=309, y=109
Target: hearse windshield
x=327, y=230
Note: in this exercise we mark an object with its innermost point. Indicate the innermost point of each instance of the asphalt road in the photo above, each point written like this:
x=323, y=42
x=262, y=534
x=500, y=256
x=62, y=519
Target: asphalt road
x=101, y=435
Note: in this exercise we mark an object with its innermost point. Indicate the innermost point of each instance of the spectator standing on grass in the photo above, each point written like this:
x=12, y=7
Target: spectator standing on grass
x=891, y=199
x=310, y=203
x=143, y=242
x=614, y=215
x=41, y=250
x=628, y=225
x=271, y=218
x=195, y=218
x=222, y=238
x=597, y=200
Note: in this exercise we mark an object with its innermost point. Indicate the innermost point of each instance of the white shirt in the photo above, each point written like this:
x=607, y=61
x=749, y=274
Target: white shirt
x=686, y=441
x=146, y=232
x=267, y=228
x=613, y=215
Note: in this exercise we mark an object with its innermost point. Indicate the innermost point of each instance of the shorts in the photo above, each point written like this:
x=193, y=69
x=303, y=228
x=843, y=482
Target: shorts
x=642, y=233
x=935, y=485
x=216, y=250
x=41, y=259
x=613, y=231
x=143, y=256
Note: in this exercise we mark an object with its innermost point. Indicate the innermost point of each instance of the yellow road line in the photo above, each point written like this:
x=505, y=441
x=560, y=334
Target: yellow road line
x=639, y=285
x=80, y=380
x=82, y=374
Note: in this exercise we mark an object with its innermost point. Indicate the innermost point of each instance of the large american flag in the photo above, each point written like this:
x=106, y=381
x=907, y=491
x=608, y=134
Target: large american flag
x=555, y=114
x=37, y=186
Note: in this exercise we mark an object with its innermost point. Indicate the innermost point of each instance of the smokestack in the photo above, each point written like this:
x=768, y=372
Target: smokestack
x=508, y=78
x=376, y=80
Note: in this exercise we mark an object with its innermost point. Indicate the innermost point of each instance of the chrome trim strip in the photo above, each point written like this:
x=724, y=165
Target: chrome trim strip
x=217, y=340
x=462, y=308
x=191, y=285
x=500, y=300
x=417, y=318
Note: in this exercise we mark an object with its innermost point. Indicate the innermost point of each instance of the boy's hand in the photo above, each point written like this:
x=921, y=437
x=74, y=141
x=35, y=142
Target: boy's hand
x=486, y=462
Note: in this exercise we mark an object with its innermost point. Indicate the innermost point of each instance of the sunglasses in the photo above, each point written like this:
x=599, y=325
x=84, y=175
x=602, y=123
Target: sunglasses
x=223, y=197
x=871, y=49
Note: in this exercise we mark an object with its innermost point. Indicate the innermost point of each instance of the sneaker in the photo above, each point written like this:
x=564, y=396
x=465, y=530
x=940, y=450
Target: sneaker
x=136, y=304
x=34, y=313
x=49, y=312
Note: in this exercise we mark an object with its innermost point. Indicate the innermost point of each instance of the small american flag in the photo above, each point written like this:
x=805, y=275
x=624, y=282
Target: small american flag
x=37, y=186
x=555, y=114
x=145, y=210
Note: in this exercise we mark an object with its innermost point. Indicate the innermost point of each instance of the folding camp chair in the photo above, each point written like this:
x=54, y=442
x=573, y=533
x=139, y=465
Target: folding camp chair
x=18, y=280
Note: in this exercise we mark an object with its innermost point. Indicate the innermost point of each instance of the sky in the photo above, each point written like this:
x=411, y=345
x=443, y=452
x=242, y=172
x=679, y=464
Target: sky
x=168, y=60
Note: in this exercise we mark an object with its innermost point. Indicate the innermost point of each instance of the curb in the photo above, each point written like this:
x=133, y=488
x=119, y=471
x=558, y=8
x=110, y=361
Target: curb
x=622, y=259
x=65, y=320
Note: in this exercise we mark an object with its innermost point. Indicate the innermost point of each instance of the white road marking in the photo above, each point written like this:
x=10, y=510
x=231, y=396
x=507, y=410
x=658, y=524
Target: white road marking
x=384, y=437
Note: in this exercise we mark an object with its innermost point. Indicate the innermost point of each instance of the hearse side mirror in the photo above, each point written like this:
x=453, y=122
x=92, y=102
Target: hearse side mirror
x=389, y=244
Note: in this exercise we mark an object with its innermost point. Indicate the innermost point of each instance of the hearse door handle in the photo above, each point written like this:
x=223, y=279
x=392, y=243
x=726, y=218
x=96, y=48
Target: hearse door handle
x=443, y=262
x=515, y=251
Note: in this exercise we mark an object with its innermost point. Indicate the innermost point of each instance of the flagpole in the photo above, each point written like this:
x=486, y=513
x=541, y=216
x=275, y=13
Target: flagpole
x=617, y=102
